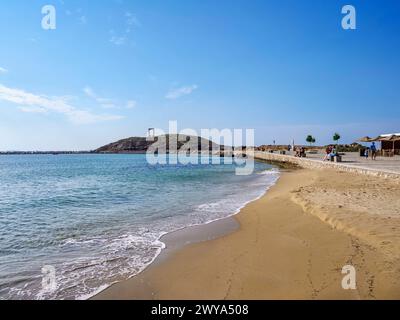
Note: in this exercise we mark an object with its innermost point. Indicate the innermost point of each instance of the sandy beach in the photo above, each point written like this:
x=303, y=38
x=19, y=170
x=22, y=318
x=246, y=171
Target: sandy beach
x=290, y=244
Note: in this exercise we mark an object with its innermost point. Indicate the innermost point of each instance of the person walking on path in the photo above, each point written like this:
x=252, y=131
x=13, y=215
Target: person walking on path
x=373, y=151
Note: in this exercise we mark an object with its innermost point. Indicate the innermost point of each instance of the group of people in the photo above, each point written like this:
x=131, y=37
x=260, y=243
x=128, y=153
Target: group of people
x=330, y=153
x=300, y=152
x=371, y=151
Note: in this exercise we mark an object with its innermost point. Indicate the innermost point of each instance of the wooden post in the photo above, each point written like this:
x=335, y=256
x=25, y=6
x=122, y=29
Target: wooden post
x=393, y=148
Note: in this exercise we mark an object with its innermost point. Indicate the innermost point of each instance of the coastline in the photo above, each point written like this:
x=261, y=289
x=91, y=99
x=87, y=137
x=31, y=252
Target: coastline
x=281, y=250
x=89, y=260
x=191, y=234
x=177, y=240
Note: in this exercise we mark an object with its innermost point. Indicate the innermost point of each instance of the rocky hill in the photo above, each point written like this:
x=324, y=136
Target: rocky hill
x=163, y=143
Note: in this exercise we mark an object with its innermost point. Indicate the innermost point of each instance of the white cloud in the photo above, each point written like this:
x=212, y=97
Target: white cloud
x=183, y=91
x=79, y=14
x=118, y=41
x=130, y=22
x=131, y=104
x=30, y=102
x=3, y=70
x=33, y=109
x=105, y=103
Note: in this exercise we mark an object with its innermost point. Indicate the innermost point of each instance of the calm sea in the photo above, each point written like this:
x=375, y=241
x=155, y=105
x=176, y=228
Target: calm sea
x=98, y=219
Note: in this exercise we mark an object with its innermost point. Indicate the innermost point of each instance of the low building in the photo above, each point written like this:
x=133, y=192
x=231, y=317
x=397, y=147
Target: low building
x=390, y=143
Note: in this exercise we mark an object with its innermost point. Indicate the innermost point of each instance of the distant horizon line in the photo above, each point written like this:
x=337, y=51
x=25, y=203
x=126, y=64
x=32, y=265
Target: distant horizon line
x=27, y=152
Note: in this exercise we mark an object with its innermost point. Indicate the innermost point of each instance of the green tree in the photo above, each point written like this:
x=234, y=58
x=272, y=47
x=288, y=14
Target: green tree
x=336, y=138
x=310, y=139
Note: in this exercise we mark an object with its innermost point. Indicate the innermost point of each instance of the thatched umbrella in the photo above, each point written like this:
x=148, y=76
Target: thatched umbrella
x=366, y=139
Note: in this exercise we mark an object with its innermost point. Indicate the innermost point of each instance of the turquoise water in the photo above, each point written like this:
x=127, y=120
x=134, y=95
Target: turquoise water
x=98, y=219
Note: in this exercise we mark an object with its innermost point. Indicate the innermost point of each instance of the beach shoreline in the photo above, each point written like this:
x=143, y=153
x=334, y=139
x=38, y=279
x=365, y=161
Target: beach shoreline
x=282, y=249
x=191, y=234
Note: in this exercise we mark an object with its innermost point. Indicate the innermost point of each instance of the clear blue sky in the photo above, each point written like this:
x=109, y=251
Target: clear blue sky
x=113, y=68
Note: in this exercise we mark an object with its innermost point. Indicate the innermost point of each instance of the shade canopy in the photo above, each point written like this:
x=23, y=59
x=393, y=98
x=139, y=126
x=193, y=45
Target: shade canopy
x=366, y=139
x=390, y=138
x=393, y=137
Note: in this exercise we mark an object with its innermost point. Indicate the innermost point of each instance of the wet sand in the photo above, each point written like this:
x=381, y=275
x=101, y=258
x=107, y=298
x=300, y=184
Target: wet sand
x=290, y=244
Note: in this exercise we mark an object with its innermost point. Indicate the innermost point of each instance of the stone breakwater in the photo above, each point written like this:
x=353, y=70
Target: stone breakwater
x=317, y=164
